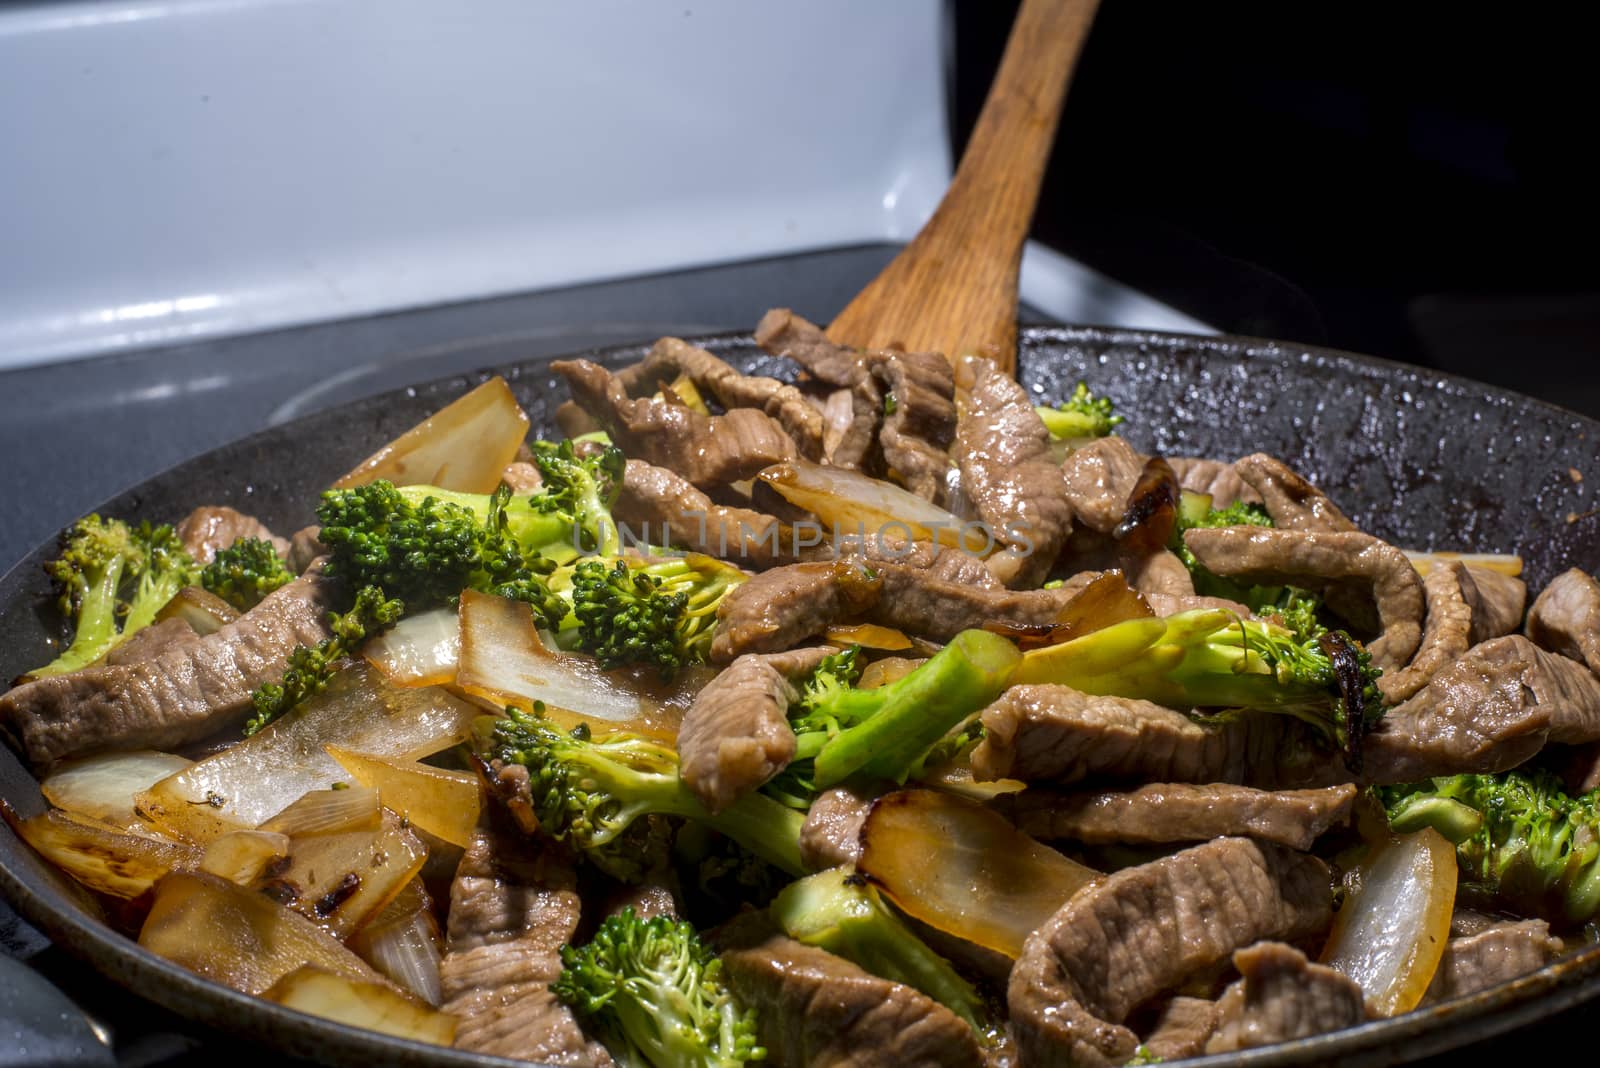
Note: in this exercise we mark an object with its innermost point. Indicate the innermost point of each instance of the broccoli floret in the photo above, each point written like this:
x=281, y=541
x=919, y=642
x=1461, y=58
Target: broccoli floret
x=580, y=492
x=588, y=791
x=112, y=578
x=1520, y=838
x=887, y=733
x=1082, y=415
x=245, y=572
x=661, y=612
x=310, y=667
x=1211, y=658
x=1298, y=607
x=837, y=910
x=655, y=994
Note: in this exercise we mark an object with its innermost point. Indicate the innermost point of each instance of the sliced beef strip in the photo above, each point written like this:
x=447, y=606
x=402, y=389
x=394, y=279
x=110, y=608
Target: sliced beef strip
x=1497, y=602
x=831, y=835
x=919, y=602
x=189, y=690
x=1282, y=997
x=920, y=423
x=513, y=905
x=1119, y=942
x=1159, y=577
x=783, y=333
x=649, y=899
x=522, y=476
x=149, y=643
x=1056, y=735
x=1292, y=502
x=661, y=507
x=1495, y=954
x=1565, y=618
x=1099, y=477
x=216, y=526
x=1446, y=638
x=1181, y=812
x=1215, y=478
x=305, y=548
x=1007, y=472
x=816, y=1010
x=708, y=450
x=1355, y=561
x=778, y=608
x=1181, y=1029
x=736, y=736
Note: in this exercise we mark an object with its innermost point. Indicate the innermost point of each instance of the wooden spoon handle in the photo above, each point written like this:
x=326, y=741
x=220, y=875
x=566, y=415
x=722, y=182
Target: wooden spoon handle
x=953, y=289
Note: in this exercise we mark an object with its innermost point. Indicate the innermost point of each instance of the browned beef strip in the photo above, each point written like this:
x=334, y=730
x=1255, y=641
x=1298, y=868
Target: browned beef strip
x=522, y=476
x=216, y=526
x=1498, y=953
x=708, y=450
x=513, y=905
x=305, y=547
x=1181, y=812
x=783, y=333
x=1053, y=734
x=920, y=420
x=1099, y=478
x=191, y=689
x=1351, y=560
x=1117, y=943
x=1215, y=478
x=672, y=356
x=660, y=507
x=1565, y=618
x=778, y=608
x=1181, y=1029
x=1497, y=602
x=1007, y=472
x=1292, y=502
x=831, y=836
x=1283, y=997
x=735, y=735
x=1447, y=636
x=816, y=1010
x=919, y=602
x=149, y=643
x=649, y=899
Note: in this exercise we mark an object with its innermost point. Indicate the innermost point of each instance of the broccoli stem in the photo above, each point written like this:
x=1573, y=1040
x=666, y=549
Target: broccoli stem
x=96, y=629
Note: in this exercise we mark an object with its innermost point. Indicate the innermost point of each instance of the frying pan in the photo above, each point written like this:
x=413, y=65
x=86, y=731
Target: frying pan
x=1422, y=459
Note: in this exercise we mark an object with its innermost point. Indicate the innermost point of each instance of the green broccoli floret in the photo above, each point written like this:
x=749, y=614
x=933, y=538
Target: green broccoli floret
x=589, y=791
x=655, y=994
x=245, y=572
x=837, y=910
x=1211, y=658
x=660, y=612
x=1082, y=415
x=1298, y=607
x=1520, y=838
x=112, y=578
x=310, y=667
x=887, y=733
x=580, y=492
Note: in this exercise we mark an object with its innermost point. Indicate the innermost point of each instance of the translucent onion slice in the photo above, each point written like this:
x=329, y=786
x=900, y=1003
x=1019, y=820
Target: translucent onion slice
x=375, y=1006
x=237, y=937
x=200, y=608
x=889, y=669
x=854, y=505
x=992, y=884
x=443, y=803
x=103, y=787
x=101, y=858
x=241, y=857
x=1505, y=563
x=869, y=636
x=463, y=446
x=1390, y=933
x=420, y=650
x=341, y=881
x=403, y=943
x=330, y=811
x=243, y=787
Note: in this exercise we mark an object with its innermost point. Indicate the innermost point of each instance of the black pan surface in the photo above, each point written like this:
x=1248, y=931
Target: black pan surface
x=1422, y=459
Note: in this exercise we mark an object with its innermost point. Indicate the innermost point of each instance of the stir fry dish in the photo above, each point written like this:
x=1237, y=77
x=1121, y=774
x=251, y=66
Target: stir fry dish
x=874, y=717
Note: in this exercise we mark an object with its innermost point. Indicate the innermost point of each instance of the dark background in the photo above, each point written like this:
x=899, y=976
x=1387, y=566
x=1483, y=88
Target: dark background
x=1407, y=181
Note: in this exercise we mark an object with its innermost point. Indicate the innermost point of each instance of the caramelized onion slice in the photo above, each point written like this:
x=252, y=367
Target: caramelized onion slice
x=1390, y=933
x=241, y=856
x=1105, y=601
x=1151, y=509
x=375, y=1006
x=238, y=937
x=103, y=787
x=964, y=869
x=330, y=811
x=869, y=636
x=200, y=608
x=853, y=505
x=1505, y=563
x=340, y=881
x=442, y=803
x=420, y=650
x=464, y=446
x=100, y=857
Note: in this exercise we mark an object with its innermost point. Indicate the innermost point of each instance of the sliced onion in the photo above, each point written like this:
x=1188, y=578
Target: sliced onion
x=854, y=505
x=964, y=869
x=375, y=1006
x=463, y=446
x=243, y=787
x=869, y=636
x=442, y=803
x=330, y=811
x=241, y=857
x=1505, y=563
x=889, y=669
x=403, y=944
x=957, y=777
x=1390, y=932
x=100, y=857
x=237, y=937
x=341, y=881
x=103, y=787
x=420, y=650
x=200, y=608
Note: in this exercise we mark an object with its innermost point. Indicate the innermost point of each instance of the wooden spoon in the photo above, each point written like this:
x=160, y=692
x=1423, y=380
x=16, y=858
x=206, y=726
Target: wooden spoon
x=953, y=289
